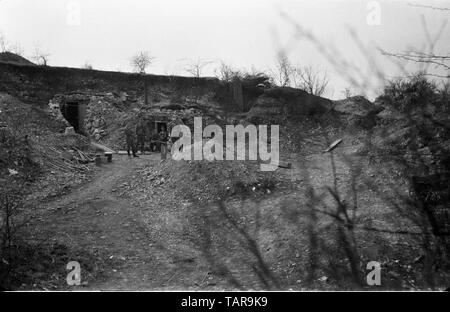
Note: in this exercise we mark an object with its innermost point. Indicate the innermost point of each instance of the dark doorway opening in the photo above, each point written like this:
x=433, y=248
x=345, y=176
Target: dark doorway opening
x=160, y=126
x=73, y=112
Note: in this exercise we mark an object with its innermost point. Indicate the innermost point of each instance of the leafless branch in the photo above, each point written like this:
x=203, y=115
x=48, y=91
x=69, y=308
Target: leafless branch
x=311, y=80
x=141, y=61
x=39, y=56
x=195, y=67
x=284, y=70
x=226, y=72
x=4, y=44
x=428, y=7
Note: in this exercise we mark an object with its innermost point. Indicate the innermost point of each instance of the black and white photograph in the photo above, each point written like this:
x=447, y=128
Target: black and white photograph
x=194, y=148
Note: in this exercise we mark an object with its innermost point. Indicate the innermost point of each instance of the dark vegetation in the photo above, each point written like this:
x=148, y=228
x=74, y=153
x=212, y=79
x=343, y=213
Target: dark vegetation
x=29, y=145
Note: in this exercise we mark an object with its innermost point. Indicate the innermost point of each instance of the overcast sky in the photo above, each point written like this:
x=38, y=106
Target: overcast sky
x=243, y=33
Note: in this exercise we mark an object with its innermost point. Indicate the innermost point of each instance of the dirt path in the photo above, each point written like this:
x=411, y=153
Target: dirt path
x=97, y=219
x=172, y=247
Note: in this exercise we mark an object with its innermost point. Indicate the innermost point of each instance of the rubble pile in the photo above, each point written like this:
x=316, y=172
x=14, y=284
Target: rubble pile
x=105, y=111
x=101, y=109
x=33, y=150
x=201, y=181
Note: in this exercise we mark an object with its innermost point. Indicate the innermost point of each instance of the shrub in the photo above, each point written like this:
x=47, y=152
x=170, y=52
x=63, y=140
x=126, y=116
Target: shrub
x=408, y=95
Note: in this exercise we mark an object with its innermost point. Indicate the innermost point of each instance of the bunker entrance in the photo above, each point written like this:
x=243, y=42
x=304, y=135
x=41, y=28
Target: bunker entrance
x=74, y=113
x=160, y=126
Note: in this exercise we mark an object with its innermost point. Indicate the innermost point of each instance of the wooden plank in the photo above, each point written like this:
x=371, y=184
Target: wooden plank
x=285, y=164
x=102, y=148
x=333, y=145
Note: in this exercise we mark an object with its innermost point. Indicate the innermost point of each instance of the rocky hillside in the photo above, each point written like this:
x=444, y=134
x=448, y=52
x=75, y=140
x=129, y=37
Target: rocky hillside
x=108, y=97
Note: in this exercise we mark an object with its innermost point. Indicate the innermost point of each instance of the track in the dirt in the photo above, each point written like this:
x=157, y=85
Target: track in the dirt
x=95, y=218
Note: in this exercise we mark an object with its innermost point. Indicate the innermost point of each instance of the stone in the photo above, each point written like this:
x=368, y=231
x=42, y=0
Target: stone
x=123, y=96
x=69, y=131
x=53, y=105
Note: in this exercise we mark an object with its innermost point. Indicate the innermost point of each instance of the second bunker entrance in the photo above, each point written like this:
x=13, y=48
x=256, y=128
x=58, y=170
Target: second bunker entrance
x=75, y=112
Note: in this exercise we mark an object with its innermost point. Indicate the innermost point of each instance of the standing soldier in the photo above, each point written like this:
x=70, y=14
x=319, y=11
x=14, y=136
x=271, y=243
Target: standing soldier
x=130, y=137
x=163, y=142
x=140, y=135
x=149, y=132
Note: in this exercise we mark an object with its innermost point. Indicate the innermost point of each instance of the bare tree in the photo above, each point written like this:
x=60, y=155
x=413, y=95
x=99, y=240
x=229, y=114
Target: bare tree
x=347, y=92
x=141, y=61
x=4, y=44
x=284, y=70
x=195, y=67
x=226, y=72
x=305, y=78
x=310, y=80
x=255, y=72
x=39, y=56
x=88, y=65
x=17, y=49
